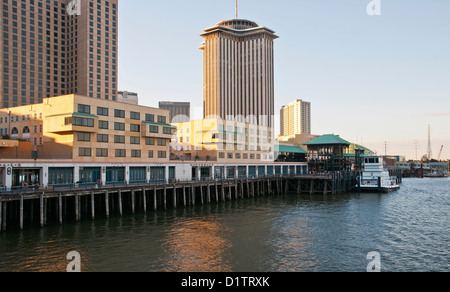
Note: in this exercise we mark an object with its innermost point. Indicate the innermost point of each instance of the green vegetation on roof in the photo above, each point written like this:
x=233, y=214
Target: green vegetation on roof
x=327, y=140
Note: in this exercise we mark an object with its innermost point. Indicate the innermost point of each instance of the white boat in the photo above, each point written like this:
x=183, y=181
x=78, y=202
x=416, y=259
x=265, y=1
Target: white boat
x=375, y=177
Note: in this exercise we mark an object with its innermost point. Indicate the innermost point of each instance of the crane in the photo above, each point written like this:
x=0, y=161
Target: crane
x=440, y=153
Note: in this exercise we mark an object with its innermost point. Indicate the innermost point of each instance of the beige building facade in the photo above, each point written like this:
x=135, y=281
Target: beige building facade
x=222, y=141
x=52, y=48
x=238, y=69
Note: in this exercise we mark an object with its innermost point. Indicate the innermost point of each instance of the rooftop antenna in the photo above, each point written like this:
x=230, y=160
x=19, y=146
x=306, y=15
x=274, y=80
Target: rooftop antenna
x=236, y=9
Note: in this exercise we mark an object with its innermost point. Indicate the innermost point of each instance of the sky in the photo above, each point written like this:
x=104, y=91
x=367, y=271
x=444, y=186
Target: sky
x=375, y=80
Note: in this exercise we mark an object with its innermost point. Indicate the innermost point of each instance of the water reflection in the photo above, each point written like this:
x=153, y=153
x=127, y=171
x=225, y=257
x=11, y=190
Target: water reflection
x=196, y=245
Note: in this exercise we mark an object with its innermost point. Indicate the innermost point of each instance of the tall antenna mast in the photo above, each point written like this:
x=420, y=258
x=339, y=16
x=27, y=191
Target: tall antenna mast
x=430, y=152
x=236, y=9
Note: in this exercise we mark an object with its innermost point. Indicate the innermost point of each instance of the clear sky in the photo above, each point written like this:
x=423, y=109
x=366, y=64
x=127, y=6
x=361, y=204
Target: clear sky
x=370, y=79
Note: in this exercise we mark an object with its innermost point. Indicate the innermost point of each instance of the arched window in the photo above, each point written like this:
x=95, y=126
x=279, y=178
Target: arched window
x=26, y=130
x=14, y=131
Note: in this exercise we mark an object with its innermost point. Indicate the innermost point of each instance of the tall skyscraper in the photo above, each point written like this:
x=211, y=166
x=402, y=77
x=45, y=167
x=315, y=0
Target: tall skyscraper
x=58, y=47
x=238, y=72
x=295, y=118
x=179, y=112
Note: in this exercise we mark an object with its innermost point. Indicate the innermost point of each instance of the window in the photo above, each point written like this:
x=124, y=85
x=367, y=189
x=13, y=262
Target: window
x=84, y=137
x=84, y=152
x=154, y=129
x=162, y=119
x=68, y=121
x=135, y=153
x=150, y=118
x=119, y=113
x=149, y=141
x=119, y=139
x=102, y=152
x=167, y=131
x=84, y=109
x=150, y=153
x=102, y=138
x=119, y=126
x=161, y=154
x=135, y=128
x=135, y=140
x=102, y=111
x=121, y=153
x=103, y=125
x=83, y=122
x=162, y=142
x=135, y=116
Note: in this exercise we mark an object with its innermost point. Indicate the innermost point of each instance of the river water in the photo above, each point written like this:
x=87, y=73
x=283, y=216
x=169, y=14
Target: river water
x=409, y=229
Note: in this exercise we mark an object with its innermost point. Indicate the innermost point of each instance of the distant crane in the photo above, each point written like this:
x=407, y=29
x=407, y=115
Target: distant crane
x=440, y=153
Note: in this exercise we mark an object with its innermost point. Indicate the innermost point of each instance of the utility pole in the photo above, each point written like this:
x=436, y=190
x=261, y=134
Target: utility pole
x=385, y=148
x=416, y=146
x=429, y=152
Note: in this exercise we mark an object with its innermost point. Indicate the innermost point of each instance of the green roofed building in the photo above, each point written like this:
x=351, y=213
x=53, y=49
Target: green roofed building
x=289, y=153
x=327, y=153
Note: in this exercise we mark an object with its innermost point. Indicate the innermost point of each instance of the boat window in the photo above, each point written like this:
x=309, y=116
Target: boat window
x=371, y=160
x=377, y=160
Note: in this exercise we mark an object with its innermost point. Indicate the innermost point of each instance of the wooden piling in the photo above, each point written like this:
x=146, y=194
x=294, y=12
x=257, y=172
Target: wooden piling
x=107, y=203
x=92, y=205
x=41, y=209
x=174, y=196
x=184, y=195
x=60, y=208
x=4, y=204
x=77, y=207
x=155, y=205
x=133, y=202
x=21, y=212
x=120, y=203
x=144, y=199
x=1, y=214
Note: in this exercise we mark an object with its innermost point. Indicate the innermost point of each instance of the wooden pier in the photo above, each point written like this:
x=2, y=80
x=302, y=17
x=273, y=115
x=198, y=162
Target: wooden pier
x=19, y=211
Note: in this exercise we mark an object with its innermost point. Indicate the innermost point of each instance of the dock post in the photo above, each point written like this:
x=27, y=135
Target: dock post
x=201, y=193
x=325, y=188
x=41, y=209
x=107, y=203
x=184, y=195
x=311, y=190
x=209, y=193
x=77, y=207
x=92, y=205
x=120, y=203
x=193, y=195
x=144, y=199
x=229, y=190
x=222, y=187
x=60, y=208
x=133, y=201
x=1, y=215
x=379, y=184
x=217, y=192
x=174, y=196
x=155, y=203
x=241, y=183
x=21, y=212
x=165, y=197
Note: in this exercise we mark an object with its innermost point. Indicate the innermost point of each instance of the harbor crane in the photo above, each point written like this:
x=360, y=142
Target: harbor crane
x=440, y=153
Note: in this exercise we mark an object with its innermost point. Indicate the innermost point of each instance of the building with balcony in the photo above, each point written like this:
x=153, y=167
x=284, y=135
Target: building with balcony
x=85, y=140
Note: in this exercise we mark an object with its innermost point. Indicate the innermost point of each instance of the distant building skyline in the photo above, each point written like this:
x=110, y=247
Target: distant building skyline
x=179, y=112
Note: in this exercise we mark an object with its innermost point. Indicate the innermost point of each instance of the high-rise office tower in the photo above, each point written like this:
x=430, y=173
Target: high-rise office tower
x=295, y=118
x=57, y=47
x=238, y=72
x=179, y=112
